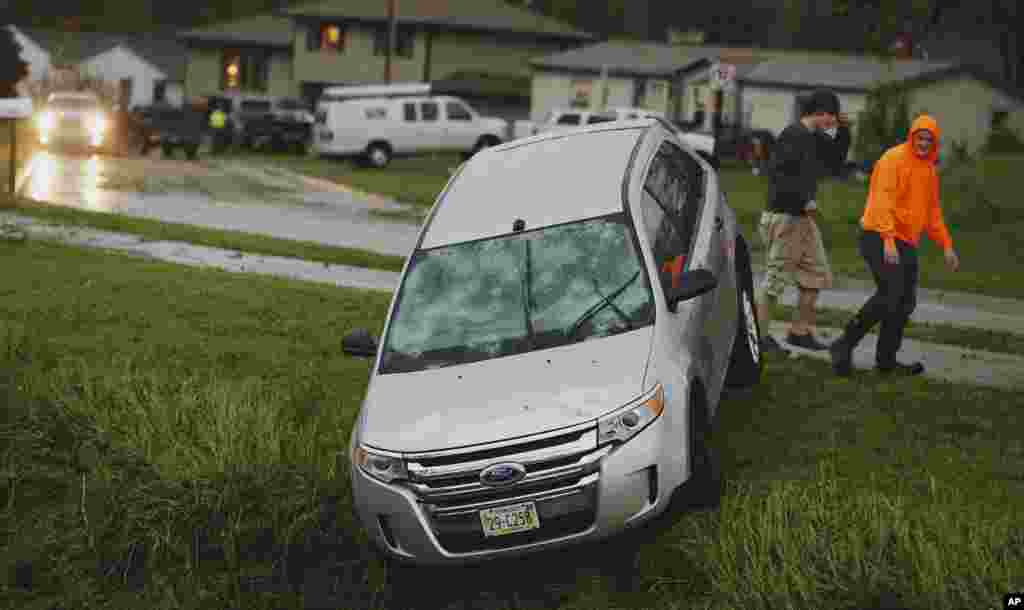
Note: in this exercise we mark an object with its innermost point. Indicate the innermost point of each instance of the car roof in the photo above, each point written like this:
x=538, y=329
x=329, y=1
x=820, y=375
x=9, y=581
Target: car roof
x=544, y=180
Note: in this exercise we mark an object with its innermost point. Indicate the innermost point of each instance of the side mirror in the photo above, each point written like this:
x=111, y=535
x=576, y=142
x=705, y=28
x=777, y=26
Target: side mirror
x=359, y=343
x=692, y=284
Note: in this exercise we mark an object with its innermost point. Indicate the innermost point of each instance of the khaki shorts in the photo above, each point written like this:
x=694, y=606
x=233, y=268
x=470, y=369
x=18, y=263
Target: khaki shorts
x=795, y=254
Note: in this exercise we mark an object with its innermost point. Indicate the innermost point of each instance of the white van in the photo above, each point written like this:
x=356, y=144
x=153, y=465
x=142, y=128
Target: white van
x=376, y=129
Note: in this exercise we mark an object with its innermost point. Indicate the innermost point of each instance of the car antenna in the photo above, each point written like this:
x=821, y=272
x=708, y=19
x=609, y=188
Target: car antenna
x=518, y=225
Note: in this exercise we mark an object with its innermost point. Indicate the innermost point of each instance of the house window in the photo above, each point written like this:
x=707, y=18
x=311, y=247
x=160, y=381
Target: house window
x=245, y=70
x=331, y=38
x=404, y=38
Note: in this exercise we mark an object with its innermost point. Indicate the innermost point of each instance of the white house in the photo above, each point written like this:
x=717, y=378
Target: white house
x=143, y=68
x=140, y=81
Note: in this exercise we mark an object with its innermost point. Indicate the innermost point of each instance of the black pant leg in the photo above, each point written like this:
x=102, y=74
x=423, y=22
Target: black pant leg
x=889, y=289
x=891, y=335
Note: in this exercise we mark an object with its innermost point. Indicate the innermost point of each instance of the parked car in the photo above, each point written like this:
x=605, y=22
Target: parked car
x=376, y=129
x=170, y=127
x=277, y=133
x=73, y=117
x=552, y=362
x=567, y=118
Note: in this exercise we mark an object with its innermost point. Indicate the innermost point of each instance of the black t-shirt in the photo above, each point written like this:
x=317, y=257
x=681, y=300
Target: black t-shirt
x=800, y=159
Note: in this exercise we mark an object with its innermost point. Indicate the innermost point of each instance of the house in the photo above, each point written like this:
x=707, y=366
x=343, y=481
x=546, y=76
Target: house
x=302, y=49
x=670, y=78
x=963, y=100
x=140, y=69
x=768, y=85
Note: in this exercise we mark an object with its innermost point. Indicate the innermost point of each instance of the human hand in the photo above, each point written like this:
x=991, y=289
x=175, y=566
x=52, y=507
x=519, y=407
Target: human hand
x=952, y=260
x=892, y=255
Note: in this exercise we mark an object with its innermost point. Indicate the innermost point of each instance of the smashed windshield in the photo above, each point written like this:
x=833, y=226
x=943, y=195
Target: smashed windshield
x=518, y=293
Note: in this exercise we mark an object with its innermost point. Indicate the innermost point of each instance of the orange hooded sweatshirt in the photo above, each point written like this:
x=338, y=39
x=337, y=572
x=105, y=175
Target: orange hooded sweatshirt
x=903, y=196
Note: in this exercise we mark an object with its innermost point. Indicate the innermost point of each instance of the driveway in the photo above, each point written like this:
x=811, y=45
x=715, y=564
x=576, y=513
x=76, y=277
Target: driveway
x=218, y=194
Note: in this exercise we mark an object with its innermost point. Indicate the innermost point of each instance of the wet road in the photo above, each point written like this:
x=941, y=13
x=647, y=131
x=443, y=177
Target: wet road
x=218, y=194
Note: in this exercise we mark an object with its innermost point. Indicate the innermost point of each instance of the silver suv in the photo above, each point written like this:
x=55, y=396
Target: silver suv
x=553, y=358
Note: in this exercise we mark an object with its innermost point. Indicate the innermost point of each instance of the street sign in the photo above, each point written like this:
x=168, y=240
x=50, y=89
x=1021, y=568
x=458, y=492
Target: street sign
x=723, y=76
x=15, y=108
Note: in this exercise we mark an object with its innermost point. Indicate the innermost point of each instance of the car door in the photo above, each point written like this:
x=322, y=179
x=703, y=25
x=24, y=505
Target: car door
x=674, y=187
x=430, y=136
x=460, y=128
x=408, y=129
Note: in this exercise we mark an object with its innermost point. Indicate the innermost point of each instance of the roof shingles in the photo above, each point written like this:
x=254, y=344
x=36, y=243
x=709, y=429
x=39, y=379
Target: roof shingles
x=493, y=15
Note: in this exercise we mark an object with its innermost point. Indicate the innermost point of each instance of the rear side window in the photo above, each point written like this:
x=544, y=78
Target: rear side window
x=457, y=112
x=409, y=111
x=429, y=111
x=375, y=112
x=568, y=119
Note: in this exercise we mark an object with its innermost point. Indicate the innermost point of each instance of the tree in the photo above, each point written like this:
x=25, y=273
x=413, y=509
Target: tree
x=12, y=67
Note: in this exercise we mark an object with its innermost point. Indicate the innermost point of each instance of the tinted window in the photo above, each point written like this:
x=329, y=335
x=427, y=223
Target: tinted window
x=600, y=118
x=674, y=191
x=255, y=106
x=569, y=119
x=409, y=110
x=457, y=112
x=518, y=293
x=429, y=111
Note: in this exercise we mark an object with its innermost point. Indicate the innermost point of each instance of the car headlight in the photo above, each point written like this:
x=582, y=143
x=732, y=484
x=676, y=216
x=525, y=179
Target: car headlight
x=386, y=468
x=625, y=423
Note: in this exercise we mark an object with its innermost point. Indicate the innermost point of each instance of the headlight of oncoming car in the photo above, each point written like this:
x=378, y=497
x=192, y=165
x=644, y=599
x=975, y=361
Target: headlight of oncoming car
x=625, y=423
x=382, y=467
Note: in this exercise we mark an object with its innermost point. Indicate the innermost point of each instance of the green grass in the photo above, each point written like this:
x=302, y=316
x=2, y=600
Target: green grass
x=947, y=334
x=414, y=180
x=154, y=230
x=188, y=421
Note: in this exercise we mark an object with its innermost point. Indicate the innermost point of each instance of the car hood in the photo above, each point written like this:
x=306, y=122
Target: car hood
x=505, y=398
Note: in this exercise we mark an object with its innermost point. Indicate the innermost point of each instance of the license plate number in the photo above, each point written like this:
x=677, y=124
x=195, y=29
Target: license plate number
x=509, y=519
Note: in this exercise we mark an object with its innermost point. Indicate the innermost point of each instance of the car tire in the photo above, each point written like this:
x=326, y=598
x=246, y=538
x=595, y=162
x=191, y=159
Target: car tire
x=745, y=362
x=377, y=155
x=703, y=490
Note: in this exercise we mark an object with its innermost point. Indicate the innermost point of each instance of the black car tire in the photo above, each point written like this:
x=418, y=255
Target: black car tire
x=745, y=362
x=377, y=155
x=703, y=490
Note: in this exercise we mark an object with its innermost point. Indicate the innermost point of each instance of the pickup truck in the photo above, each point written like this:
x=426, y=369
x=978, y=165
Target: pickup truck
x=170, y=128
x=278, y=132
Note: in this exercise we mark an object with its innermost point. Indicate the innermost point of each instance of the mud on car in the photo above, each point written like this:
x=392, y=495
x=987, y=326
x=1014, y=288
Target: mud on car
x=552, y=363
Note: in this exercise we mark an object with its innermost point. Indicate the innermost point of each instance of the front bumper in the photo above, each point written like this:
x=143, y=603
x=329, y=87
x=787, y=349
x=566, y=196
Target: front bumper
x=584, y=497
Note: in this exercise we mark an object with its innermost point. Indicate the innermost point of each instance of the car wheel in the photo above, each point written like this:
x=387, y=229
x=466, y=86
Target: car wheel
x=745, y=363
x=377, y=155
x=703, y=490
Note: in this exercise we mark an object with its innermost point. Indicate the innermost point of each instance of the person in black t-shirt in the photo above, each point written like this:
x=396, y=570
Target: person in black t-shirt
x=803, y=154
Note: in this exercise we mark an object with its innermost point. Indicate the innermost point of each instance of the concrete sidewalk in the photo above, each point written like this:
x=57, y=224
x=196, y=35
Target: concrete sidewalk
x=945, y=362
x=934, y=306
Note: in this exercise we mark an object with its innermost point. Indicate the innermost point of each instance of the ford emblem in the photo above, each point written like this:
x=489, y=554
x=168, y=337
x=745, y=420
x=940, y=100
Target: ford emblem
x=498, y=475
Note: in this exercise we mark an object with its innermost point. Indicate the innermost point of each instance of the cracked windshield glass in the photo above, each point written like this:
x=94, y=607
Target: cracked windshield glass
x=519, y=293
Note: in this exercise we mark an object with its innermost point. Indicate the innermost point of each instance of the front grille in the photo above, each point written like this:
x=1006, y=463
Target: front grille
x=562, y=473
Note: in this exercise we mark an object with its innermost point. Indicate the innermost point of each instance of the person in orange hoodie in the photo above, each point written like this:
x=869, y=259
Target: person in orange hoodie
x=903, y=202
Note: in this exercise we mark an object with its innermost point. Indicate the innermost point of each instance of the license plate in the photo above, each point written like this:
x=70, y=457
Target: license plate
x=509, y=519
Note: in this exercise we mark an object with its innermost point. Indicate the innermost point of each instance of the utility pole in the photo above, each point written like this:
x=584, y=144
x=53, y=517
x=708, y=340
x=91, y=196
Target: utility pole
x=388, y=62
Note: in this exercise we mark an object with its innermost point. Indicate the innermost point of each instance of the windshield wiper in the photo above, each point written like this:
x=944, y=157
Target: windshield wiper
x=604, y=302
x=527, y=305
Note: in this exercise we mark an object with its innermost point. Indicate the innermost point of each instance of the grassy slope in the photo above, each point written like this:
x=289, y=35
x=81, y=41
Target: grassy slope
x=195, y=406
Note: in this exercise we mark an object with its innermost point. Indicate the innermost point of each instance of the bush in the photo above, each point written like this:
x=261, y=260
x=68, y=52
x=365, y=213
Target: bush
x=1002, y=140
x=884, y=123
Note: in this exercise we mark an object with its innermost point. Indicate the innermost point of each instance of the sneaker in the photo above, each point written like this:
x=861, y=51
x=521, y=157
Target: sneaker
x=807, y=341
x=770, y=346
x=901, y=370
x=842, y=358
